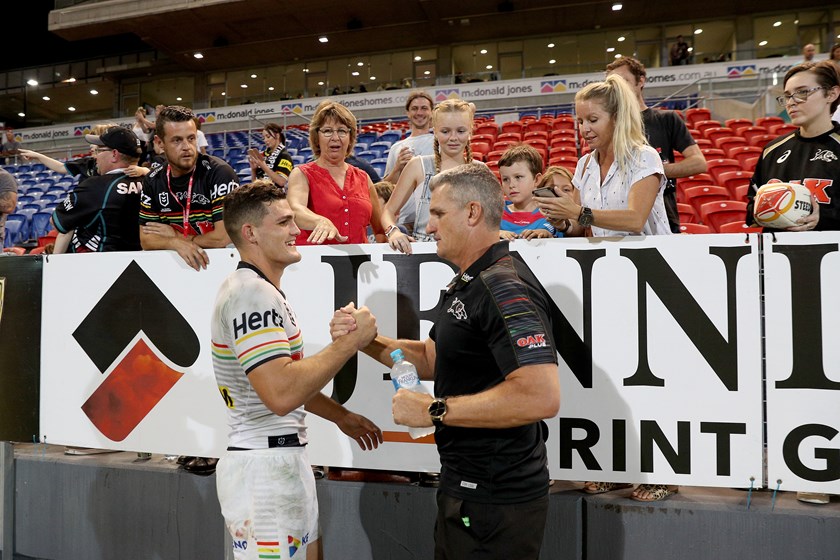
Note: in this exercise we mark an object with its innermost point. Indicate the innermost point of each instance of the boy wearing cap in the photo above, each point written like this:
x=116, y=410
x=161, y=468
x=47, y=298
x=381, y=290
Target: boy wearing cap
x=101, y=212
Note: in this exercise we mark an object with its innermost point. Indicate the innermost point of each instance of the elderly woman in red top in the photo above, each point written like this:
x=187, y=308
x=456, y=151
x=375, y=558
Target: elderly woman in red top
x=333, y=201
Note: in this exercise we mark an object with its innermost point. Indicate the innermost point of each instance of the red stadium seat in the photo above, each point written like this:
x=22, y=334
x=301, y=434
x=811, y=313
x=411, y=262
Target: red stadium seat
x=720, y=165
x=696, y=114
x=715, y=214
x=740, y=192
x=750, y=163
x=542, y=134
x=767, y=122
x=738, y=124
x=512, y=126
x=479, y=149
x=738, y=227
x=489, y=138
x=515, y=136
x=695, y=228
x=751, y=131
x=703, y=126
x=713, y=153
x=686, y=212
x=727, y=143
x=563, y=134
x=538, y=126
x=563, y=151
x=694, y=181
x=743, y=153
x=697, y=196
x=504, y=144
x=733, y=179
x=715, y=134
x=493, y=156
x=488, y=128
x=563, y=123
x=538, y=143
x=761, y=140
x=703, y=143
x=568, y=162
x=782, y=129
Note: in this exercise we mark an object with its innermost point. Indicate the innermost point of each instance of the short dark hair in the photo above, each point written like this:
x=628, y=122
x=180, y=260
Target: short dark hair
x=523, y=152
x=826, y=73
x=172, y=113
x=636, y=67
x=249, y=204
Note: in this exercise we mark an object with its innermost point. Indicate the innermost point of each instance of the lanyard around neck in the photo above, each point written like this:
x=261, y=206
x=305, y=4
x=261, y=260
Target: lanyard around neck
x=186, y=206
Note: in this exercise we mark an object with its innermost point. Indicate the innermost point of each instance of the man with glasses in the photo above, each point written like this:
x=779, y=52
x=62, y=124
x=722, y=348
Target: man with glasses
x=666, y=132
x=419, y=142
x=181, y=205
x=100, y=214
x=275, y=162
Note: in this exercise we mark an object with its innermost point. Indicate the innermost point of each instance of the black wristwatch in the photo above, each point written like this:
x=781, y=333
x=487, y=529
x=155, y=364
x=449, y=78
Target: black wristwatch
x=585, y=218
x=437, y=410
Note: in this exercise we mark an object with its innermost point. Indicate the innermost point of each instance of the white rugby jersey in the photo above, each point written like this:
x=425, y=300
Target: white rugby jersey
x=252, y=324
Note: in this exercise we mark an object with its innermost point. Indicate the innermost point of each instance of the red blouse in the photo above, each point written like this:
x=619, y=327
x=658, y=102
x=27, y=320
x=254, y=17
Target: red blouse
x=349, y=209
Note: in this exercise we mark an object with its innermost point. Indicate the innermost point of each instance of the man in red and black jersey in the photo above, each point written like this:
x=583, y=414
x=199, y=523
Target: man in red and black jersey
x=181, y=204
x=101, y=212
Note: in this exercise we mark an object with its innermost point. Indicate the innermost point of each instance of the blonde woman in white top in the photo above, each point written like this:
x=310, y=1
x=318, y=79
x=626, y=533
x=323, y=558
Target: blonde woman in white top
x=621, y=181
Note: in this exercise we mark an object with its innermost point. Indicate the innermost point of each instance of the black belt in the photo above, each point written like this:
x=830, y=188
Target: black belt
x=291, y=440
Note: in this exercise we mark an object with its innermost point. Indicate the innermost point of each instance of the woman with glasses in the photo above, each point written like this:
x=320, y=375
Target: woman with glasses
x=808, y=156
x=333, y=201
x=452, y=121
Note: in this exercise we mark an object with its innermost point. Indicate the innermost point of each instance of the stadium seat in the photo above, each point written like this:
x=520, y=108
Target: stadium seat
x=767, y=122
x=15, y=230
x=729, y=142
x=563, y=123
x=564, y=142
x=703, y=143
x=540, y=134
x=720, y=165
x=697, y=196
x=738, y=227
x=715, y=134
x=697, y=114
x=743, y=153
x=733, y=179
x=569, y=162
x=479, y=149
x=738, y=124
x=514, y=136
x=694, y=180
x=715, y=214
x=489, y=138
x=703, y=126
x=713, y=153
x=41, y=224
x=686, y=212
x=565, y=133
x=503, y=144
x=15, y=250
x=750, y=163
x=538, y=143
x=367, y=137
x=493, y=156
x=512, y=126
x=390, y=136
x=782, y=129
x=560, y=150
x=695, y=228
x=489, y=128
x=749, y=132
x=538, y=126
x=761, y=140
x=740, y=192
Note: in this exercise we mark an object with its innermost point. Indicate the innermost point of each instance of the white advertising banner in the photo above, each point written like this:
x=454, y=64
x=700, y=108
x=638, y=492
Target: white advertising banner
x=659, y=343
x=547, y=87
x=802, y=314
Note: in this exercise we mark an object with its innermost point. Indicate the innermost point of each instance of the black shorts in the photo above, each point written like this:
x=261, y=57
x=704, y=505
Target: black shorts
x=473, y=531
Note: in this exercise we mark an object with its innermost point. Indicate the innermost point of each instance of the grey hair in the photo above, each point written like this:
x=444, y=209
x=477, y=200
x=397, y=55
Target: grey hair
x=474, y=182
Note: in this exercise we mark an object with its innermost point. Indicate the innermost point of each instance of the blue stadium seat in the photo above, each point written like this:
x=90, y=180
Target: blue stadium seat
x=41, y=223
x=17, y=229
x=390, y=136
x=379, y=165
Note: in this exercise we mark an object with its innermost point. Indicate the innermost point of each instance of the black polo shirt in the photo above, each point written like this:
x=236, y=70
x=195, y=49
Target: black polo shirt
x=494, y=319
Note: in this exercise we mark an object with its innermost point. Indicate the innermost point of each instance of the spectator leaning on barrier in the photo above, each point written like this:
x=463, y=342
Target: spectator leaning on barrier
x=181, y=205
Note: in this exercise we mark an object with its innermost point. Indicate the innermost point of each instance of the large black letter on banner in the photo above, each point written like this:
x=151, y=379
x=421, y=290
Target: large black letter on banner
x=653, y=271
x=808, y=371
x=345, y=290
x=409, y=313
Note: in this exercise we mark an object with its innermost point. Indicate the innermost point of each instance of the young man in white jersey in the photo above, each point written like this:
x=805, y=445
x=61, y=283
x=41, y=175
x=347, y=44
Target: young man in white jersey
x=265, y=483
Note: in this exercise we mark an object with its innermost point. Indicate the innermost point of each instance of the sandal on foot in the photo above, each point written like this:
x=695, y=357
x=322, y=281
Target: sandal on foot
x=655, y=492
x=601, y=487
x=201, y=465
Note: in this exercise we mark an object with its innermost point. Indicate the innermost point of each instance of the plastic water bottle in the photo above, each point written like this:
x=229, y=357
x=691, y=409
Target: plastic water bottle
x=404, y=376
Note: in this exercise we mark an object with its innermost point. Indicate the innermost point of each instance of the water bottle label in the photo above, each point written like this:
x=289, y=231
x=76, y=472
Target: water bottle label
x=408, y=380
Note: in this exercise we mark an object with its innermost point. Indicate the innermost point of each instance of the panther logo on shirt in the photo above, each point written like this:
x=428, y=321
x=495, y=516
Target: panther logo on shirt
x=824, y=155
x=457, y=308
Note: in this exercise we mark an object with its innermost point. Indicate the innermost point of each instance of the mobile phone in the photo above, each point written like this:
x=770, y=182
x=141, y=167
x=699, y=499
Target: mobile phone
x=544, y=191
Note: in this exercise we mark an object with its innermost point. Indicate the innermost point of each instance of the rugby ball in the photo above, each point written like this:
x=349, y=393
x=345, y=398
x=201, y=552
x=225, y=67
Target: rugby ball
x=779, y=205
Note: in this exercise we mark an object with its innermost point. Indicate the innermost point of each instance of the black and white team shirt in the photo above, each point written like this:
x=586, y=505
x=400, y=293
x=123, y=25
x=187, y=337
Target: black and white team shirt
x=812, y=162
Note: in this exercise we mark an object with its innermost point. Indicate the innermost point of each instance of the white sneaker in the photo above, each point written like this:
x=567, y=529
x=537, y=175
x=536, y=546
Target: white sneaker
x=813, y=497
